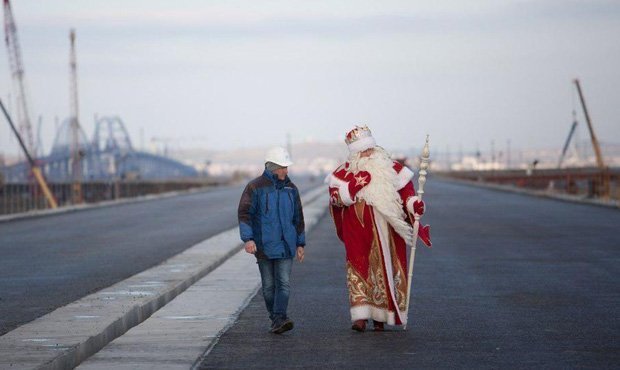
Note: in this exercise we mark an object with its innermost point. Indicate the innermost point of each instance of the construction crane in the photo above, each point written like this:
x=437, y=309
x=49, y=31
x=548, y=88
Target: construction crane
x=36, y=171
x=76, y=154
x=604, y=181
x=595, y=145
x=568, y=139
x=17, y=72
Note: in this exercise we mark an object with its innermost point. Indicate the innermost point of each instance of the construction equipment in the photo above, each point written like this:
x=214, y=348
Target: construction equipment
x=595, y=145
x=36, y=171
x=602, y=186
x=568, y=139
x=17, y=72
x=76, y=154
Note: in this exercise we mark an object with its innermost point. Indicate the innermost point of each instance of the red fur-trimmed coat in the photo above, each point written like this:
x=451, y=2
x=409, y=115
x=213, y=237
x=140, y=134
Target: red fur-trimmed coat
x=376, y=255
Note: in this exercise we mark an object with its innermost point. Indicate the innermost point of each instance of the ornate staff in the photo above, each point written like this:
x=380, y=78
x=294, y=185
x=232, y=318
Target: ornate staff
x=416, y=224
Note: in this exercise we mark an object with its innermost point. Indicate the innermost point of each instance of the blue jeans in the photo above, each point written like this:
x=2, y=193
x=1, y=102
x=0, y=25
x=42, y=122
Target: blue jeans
x=275, y=276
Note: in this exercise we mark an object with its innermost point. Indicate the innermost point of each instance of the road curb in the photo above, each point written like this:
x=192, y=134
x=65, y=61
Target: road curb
x=190, y=326
x=67, y=336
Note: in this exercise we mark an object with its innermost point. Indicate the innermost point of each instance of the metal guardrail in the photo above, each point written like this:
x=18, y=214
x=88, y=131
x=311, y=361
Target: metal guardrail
x=586, y=182
x=25, y=197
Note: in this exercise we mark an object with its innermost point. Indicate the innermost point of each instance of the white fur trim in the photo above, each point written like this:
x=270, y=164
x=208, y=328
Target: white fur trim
x=343, y=190
x=327, y=178
x=410, y=202
x=365, y=312
x=384, y=240
x=362, y=144
x=404, y=176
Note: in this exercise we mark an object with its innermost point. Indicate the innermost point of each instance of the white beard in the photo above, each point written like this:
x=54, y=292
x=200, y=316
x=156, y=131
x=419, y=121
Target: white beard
x=381, y=192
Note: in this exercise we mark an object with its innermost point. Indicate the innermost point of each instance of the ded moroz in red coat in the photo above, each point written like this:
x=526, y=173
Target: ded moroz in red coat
x=376, y=254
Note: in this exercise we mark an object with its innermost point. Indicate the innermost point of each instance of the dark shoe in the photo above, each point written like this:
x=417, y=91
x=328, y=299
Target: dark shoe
x=359, y=325
x=378, y=325
x=282, y=326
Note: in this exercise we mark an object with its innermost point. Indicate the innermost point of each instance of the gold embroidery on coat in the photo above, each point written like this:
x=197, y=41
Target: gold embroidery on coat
x=357, y=287
x=400, y=283
x=359, y=211
x=374, y=291
x=376, y=274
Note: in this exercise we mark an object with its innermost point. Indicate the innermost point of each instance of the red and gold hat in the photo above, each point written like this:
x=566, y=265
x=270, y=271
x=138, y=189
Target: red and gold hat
x=359, y=139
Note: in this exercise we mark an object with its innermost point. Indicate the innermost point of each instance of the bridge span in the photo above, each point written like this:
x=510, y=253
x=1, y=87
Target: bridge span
x=512, y=281
x=110, y=155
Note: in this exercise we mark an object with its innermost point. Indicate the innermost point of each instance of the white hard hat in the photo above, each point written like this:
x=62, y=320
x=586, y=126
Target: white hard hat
x=279, y=156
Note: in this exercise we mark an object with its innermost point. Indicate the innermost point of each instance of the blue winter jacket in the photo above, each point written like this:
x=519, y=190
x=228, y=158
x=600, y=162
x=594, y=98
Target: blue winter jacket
x=270, y=213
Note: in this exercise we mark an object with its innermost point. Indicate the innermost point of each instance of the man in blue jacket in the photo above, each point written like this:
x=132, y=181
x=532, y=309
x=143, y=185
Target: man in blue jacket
x=271, y=224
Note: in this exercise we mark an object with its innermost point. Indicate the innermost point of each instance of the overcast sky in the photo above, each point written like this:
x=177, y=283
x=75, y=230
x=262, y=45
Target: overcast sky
x=230, y=74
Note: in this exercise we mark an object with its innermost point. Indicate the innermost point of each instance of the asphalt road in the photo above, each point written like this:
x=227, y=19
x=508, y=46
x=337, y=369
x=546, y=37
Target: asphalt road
x=512, y=282
x=47, y=262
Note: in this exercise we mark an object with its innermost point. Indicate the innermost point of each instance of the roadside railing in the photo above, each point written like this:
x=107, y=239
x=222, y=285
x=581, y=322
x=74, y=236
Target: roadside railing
x=25, y=197
x=584, y=182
